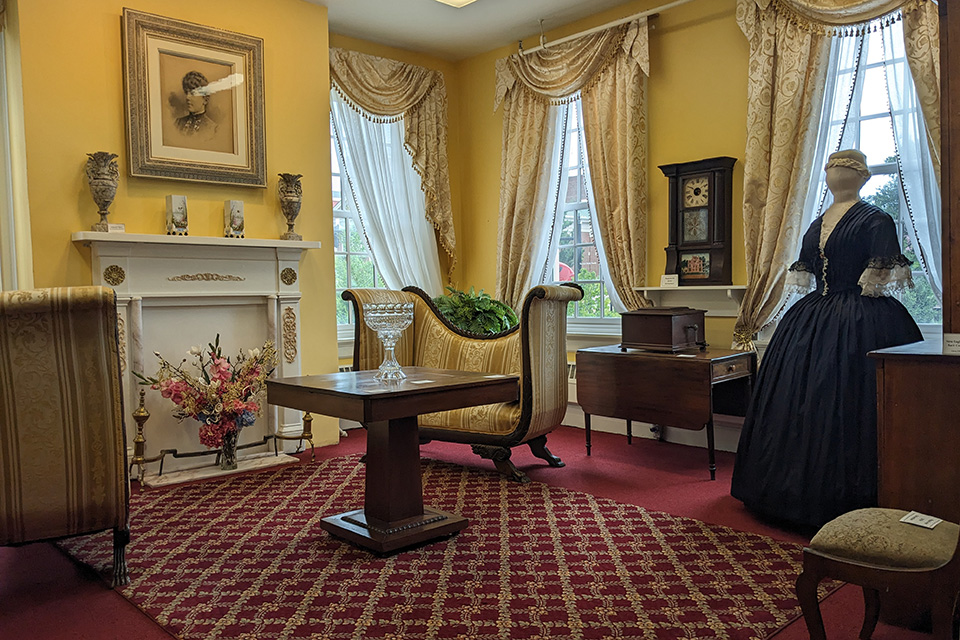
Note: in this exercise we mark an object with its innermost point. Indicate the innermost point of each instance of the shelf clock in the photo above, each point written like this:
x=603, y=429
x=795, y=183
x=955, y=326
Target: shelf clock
x=701, y=209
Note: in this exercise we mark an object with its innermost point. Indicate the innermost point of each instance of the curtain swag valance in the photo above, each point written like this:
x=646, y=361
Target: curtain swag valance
x=557, y=73
x=835, y=17
x=384, y=90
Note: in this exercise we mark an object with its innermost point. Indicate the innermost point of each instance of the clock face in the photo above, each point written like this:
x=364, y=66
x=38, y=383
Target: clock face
x=696, y=191
x=695, y=225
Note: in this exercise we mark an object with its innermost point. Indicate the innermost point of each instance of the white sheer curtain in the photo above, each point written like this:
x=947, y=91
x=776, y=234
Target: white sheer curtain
x=920, y=196
x=840, y=92
x=546, y=264
x=920, y=193
x=389, y=200
x=546, y=236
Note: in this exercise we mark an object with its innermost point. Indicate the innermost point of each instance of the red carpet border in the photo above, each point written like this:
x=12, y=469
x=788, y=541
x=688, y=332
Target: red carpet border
x=244, y=557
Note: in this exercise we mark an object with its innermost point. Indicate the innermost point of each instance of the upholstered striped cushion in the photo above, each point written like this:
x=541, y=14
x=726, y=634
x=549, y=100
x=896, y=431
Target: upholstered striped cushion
x=430, y=343
x=876, y=536
x=62, y=448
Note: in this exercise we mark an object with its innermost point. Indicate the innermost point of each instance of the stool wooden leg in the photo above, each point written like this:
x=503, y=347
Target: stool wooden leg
x=807, y=595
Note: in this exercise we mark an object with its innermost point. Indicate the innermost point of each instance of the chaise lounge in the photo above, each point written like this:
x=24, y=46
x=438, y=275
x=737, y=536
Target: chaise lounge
x=535, y=350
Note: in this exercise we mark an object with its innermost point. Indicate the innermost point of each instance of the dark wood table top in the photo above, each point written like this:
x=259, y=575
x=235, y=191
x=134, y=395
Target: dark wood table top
x=687, y=354
x=358, y=395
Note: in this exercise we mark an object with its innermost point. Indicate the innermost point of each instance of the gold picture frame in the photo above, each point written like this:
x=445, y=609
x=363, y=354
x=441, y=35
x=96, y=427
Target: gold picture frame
x=194, y=101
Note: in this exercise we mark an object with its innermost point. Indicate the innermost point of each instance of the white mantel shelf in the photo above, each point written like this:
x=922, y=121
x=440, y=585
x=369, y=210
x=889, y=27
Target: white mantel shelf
x=87, y=237
x=718, y=300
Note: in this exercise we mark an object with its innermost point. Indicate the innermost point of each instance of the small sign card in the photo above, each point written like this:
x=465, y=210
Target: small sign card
x=921, y=520
x=116, y=227
x=951, y=344
x=670, y=280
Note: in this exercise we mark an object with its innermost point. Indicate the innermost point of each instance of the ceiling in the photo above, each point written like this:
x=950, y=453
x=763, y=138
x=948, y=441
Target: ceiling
x=443, y=31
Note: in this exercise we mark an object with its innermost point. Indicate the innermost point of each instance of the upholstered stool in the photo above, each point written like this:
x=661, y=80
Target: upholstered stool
x=873, y=549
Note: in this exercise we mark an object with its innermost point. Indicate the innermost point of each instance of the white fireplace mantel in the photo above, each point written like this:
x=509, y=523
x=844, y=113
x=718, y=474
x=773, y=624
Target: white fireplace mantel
x=175, y=292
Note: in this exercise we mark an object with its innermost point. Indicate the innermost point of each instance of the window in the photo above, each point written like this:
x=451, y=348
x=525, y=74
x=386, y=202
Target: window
x=575, y=253
x=873, y=107
x=353, y=264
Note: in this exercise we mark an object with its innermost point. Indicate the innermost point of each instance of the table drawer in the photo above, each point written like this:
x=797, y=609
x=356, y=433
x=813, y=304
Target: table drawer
x=732, y=368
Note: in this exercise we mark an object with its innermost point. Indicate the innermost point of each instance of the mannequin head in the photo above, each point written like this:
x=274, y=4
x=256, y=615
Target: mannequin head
x=846, y=172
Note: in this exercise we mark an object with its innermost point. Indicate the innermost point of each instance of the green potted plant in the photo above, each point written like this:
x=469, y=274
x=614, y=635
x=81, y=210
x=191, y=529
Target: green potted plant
x=475, y=312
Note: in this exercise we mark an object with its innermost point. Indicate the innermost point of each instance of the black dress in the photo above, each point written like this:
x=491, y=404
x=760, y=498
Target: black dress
x=808, y=449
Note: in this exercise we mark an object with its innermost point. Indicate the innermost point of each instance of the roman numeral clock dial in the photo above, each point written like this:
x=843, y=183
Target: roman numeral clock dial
x=700, y=220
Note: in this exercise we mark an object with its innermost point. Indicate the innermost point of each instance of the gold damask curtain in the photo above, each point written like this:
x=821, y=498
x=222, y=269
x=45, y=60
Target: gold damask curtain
x=789, y=51
x=391, y=91
x=609, y=69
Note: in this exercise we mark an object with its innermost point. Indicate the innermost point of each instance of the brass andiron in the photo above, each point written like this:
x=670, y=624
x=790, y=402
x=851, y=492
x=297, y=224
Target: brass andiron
x=306, y=435
x=141, y=415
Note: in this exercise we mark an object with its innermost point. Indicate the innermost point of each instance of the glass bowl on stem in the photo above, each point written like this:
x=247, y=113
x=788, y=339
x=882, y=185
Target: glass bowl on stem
x=388, y=319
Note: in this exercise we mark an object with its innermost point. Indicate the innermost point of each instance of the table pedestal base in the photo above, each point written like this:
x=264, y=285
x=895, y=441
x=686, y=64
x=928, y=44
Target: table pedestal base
x=354, y=527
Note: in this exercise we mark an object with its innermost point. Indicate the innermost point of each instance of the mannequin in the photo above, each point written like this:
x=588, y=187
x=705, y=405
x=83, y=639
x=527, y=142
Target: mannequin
x=808, y=448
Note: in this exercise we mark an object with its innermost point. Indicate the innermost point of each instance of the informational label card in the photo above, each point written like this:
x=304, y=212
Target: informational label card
x=921, y=520
x=670, y=280
x=951, y=344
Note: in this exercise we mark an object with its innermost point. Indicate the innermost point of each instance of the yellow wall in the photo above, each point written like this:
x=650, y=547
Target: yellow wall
x=697, y=109
x=73, y=105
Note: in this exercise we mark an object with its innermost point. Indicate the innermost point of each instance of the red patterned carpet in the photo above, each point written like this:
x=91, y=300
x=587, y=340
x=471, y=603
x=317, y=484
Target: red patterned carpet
x=244, y=557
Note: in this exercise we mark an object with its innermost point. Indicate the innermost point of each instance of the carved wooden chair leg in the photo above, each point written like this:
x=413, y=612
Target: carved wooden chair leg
x=120, y=539
x=539, y=448
x=501, y=459
x=807, y=595
x=871, y=612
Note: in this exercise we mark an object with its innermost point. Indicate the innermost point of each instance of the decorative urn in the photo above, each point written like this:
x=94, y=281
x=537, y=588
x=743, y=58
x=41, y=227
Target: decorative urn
x=290, y=193
x=102, y=176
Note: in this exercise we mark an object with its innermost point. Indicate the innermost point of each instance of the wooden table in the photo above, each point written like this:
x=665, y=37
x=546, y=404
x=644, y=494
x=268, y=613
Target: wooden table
x=393, y=515
x=673, y=389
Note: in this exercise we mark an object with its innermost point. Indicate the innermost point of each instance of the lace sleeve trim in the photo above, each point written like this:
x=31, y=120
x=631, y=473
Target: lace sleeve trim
x=799, y=265
x=800, y=279
x=886, y=276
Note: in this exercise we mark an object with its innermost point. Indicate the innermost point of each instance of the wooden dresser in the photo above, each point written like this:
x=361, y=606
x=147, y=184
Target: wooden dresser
x=918, y=429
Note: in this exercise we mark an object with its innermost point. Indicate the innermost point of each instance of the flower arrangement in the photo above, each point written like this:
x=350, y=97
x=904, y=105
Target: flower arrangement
x=224, y=397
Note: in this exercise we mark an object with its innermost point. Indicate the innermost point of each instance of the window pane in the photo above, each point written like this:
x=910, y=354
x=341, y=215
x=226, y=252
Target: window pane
x=361, y=271
x=339, y=234
x=921, y=301
x=874, y=98
x=876, y=140
x=340, y=269
x=357, y=242
x=568, y=228
x=574, y=181
x=334, y=160
x=343, y=310
x=883, y=191
x=589, y=263
x=592, y=304
x=337, y=196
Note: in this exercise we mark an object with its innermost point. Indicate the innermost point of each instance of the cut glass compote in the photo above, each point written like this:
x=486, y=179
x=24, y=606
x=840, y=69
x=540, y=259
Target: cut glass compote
x=389, y=319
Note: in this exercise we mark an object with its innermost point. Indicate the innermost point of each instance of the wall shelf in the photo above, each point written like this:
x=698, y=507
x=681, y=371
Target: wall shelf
x=719, y=301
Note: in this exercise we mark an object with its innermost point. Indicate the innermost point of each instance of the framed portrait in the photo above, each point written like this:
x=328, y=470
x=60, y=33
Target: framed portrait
x=194, y=101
